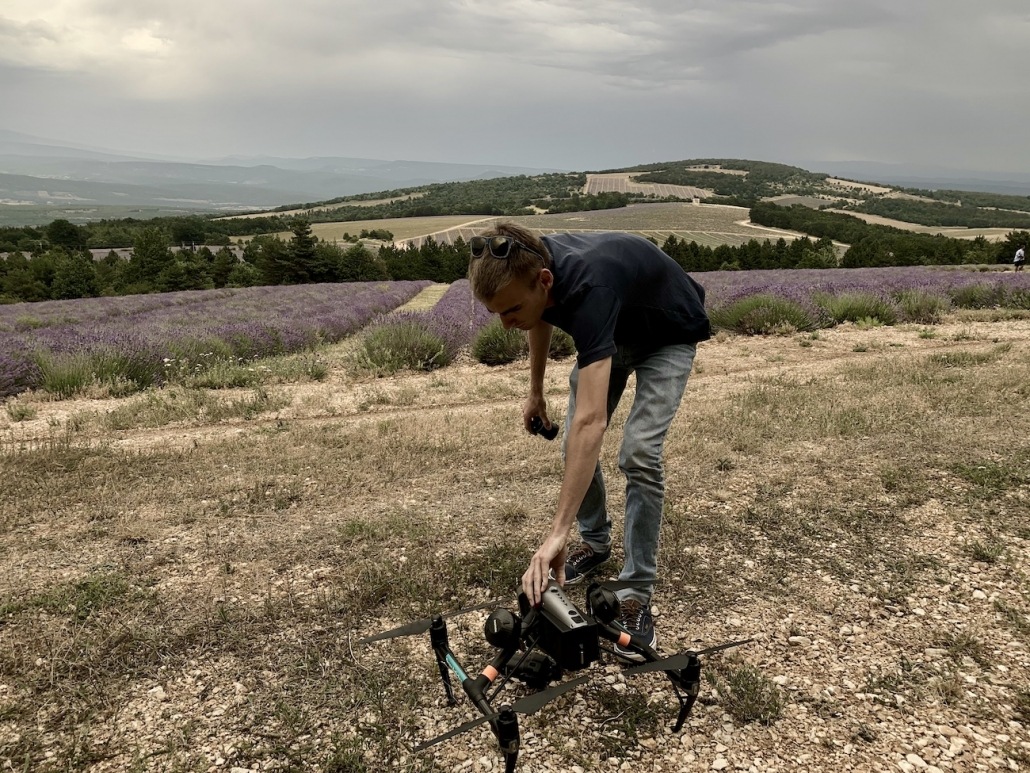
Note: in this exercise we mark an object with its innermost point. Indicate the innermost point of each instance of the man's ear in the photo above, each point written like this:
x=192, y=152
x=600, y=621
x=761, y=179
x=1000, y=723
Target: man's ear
x=546, y=279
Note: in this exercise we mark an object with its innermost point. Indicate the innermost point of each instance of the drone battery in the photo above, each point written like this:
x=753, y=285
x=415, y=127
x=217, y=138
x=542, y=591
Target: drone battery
x=566, y=634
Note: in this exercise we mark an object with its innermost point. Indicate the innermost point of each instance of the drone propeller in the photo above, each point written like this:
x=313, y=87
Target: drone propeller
x=527, y=705
x=617, y=585
x=421, y=626
x=681, y=660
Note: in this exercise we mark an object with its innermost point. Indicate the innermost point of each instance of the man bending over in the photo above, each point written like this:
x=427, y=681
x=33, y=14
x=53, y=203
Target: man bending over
x=629, y=309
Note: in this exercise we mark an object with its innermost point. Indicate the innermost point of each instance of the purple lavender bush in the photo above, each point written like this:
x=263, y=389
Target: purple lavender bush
x=424, y=340
x=63, y=346
x=828, y=296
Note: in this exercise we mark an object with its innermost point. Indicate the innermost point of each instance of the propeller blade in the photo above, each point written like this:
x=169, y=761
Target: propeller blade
x=530, y=704
x=421, y=626
x=721, y=647
x=455, y=731
x=681, y=660
x=533, y=703
x=617, y=585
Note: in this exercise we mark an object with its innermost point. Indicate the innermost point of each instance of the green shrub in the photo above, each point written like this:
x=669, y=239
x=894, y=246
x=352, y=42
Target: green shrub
x=407, y=345
x=978, y=296
x=496, y=346
x=922, y=306
x=20, y=412
x=853, y=307
x=67, y=375
x=762, y=315
x=1018, y=299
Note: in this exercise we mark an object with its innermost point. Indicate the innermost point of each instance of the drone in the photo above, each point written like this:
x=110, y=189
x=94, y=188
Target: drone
x=538, y=646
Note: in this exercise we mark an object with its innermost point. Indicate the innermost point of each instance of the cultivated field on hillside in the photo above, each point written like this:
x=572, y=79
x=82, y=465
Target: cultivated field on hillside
x=402, y=228
x=184, y=573
x=624, y=182
x=308, y=210
x=991, y=234
x=709, y=225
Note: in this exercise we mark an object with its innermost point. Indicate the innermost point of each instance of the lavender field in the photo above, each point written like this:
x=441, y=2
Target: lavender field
x=144, y=340
x=62, y=345
x=801, y=285
x=769, y=301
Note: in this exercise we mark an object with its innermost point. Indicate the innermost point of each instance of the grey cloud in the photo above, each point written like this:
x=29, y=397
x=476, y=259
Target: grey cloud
x=584, y=83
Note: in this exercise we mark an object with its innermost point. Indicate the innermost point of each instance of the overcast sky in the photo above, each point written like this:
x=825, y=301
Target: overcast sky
x=569, y=84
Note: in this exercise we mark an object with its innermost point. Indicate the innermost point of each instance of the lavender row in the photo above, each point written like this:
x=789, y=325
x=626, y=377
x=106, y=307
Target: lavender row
x=185, y=331
x=455, y=319
x=803, y=285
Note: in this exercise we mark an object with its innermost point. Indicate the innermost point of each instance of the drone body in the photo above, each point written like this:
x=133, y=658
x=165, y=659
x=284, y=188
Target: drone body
x=541, y=644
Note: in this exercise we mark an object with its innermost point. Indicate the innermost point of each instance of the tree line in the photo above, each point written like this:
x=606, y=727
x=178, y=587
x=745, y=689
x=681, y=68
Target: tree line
x=63, y=270
x=880, y=245
x=962, y=214
x=154, y=265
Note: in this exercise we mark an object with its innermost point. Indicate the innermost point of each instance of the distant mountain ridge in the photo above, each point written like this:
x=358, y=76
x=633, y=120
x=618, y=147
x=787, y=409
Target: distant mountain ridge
x=40, y=172
x=43, y=179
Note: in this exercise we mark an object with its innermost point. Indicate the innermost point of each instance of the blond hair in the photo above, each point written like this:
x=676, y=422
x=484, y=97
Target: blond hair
x=488, y=275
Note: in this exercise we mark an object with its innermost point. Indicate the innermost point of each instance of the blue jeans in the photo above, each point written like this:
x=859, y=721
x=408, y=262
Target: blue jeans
x=661, y=378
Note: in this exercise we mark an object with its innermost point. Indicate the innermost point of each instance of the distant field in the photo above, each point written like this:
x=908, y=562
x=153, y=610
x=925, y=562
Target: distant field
x=857, y=186
x=709, y=225
x=789, y=200
x=42, y=214
x=327, y=207
x=991, y=234
x=623, y=182
x=402, y=228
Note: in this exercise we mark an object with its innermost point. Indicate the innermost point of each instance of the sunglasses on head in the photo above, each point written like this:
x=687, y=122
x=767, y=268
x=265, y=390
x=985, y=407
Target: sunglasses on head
x=499, y=246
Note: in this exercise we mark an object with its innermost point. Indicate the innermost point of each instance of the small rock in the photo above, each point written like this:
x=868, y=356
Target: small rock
x=799, y=641
x=916, y=760
x=979, y=594
x=720, y=763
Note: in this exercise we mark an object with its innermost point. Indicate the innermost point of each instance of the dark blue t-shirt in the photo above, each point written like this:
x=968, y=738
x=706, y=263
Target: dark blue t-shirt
x=615, y=289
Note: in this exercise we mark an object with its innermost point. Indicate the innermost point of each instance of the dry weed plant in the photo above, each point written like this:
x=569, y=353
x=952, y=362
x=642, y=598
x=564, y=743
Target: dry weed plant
x=186, y=572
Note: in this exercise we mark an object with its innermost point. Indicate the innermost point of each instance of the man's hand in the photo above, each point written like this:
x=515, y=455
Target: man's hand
x=550, y=555
x=534, y=406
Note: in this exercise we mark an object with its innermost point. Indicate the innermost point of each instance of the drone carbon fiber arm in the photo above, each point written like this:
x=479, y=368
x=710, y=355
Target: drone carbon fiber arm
x=505, y=724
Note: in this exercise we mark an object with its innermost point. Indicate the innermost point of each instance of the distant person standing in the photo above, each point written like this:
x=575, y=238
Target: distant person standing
x=1020, y=258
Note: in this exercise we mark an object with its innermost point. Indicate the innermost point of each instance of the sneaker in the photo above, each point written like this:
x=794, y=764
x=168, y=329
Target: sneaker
x=582, y=562
x=636, y=618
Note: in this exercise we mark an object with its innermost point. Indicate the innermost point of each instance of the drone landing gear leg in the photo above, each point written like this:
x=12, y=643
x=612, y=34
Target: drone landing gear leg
x=507, y=729
x=438, y=638
x=688, y=678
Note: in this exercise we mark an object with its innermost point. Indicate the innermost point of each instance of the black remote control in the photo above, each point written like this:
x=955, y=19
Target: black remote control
x=536, y=426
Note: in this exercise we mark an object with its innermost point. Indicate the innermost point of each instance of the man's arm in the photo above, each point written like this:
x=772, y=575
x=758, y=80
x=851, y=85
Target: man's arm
x=539, y=346
x=583, y=448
